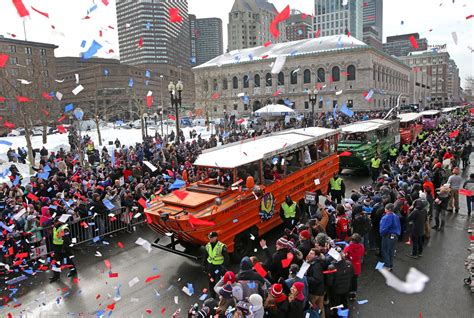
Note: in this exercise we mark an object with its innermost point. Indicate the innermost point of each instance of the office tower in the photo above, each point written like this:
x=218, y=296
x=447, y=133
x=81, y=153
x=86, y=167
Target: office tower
x=298, y=26
x=373, y=23
x=249, y=24
x=400, y=45
x=206, y=39
x=332, y=18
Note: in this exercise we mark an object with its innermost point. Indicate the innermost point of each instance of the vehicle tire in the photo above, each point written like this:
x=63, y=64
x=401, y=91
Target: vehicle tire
x=242, y=246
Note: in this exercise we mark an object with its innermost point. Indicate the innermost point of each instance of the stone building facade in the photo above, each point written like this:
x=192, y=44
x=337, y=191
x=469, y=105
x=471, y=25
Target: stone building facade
x=341, y=69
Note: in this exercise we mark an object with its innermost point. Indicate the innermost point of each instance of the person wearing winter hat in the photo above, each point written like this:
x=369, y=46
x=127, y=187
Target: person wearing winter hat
x=273, y=263
x=293, y=278
x=230, y=279
x=225, y=301
x=304, y=243
x=257, y=305
x=276, y=304
x=355, y=252
x=296, y=300
x=249, y=279
x=215, y=260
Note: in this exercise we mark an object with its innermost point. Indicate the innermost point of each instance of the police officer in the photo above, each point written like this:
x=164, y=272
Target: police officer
x=289, y=213
x=216, y=260
x=62, y=251
x=392, y=154
x=405, y=149
x=421, y=136
x=337, y=188
x=375, y=167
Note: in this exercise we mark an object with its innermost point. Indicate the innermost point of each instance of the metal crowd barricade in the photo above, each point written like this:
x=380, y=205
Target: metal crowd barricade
x=86, y=230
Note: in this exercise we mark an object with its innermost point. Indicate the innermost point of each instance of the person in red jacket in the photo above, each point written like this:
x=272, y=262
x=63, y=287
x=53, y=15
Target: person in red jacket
x=355, y=252
x=342, y=224
x=428, y=184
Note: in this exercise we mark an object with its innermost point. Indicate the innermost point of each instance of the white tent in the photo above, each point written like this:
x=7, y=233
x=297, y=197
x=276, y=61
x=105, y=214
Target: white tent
x=274, y=110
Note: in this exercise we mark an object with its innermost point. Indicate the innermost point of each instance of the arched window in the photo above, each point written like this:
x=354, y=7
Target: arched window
x=336, y=74
x=206, y=86
x=373, y=73
x=294, y=78
x=351, y=70
x=225, y=85
x=307, y=77
x=215, y=86
x=268, y=80
x=281, y=79
x=235, y=83
x=246, y=81
x=321, y=75
x=256, y=80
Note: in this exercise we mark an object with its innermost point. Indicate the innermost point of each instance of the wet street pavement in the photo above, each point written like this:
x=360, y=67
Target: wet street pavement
x=443, y=261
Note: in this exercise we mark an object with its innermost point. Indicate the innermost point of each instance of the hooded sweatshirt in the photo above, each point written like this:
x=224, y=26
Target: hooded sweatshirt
x=355, y=252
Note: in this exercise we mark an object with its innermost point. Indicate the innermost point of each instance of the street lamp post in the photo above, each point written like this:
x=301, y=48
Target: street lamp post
x=162, y=105
x=313, y=98
x=176, y=102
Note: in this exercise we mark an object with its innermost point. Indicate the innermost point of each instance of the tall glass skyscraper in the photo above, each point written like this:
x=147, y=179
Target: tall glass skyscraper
x=373, y=18
x=164, y=42
x=332, y=17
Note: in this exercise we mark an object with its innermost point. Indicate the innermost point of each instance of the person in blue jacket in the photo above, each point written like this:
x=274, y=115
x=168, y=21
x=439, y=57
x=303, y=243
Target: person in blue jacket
x=389, y=231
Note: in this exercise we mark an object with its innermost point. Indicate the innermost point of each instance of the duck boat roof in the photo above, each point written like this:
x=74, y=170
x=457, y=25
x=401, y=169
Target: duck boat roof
x=364, y=126
x=407, y=117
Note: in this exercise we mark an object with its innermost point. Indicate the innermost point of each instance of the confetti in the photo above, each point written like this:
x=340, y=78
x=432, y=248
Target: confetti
x=22, y=99
x=193, y=221
x=151, y=278
x=40, y=12
x=415, y=281
x=93, y=49
x=174, y=15
x=132, y=282
x=3, y=59
x=413, y=42
x=20, y=8
x=140, y=43
x=78, y=89
x=282, y=16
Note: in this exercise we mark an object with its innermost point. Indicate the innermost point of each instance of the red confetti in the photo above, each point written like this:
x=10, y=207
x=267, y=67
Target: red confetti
x=120, y=244
x=84, y=225
x=46, y=96
x=140, y=43
x=287, y=261
x=278, y=92
x=20, y=8
x=413, y=42
x=260, y=270
x=111, y=27
x=76, y=280
x=111, y=51
x=317, y=33
x=113, y=275
x=163, y=310
x=180, y=194
x=2, y=99
x=61, y=129
x=265, y=57
x=149, y=100
x=111, y=306
x=3, y=59
x=215, y=96
x=282, y=16
x=171, y=117
x=22, y=99
x=330, y=271
x=32, y=197
x=345, y=154
x=100, y=33
x=193, y=221
x=60, y=119
x=40, y=12
x=470, y=16
x=105, y=2
x=267, y=44
x=152, y=278
x=174, y=15
x=149, y=311
x=98, y=296
x=304, y=16
x=107, y=263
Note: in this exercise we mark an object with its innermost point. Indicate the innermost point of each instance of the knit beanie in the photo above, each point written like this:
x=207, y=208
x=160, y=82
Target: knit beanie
x=229, y=277
x=299, y=287
x=283, y=242
x=226, y=291
x=305, y=234
x=245, y=264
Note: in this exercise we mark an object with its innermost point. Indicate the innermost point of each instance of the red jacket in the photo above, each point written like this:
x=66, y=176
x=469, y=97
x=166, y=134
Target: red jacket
x=355, y=252
x=342, y=228
x=430, y=185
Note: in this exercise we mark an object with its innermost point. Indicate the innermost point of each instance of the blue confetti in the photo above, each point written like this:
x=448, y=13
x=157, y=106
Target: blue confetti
x=147, y=73
x=342, y=312
x=251, y=285
x=68, y=108
x=96, y=239
x=83, y=44
x=190, y=288
x=362, y=302
x=235, y=221
x=293, y=53
x=193, y=60
x=379, y=265
x=93, y=8
x=93, y=49
x=106, y=72
x=5, y=142
x=130, y=82
x=203, y=297
x=251, y=57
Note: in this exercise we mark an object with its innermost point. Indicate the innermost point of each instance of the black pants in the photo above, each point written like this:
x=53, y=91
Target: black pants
x=62, y=255
x=289, y=223
x=417, y=244
x=354, y=284
x=336, y=196
x=215, y=273
x=339, y=299
x=374, y=174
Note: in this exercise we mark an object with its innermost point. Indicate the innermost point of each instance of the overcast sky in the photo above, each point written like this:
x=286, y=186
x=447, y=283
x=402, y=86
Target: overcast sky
x=442, y=16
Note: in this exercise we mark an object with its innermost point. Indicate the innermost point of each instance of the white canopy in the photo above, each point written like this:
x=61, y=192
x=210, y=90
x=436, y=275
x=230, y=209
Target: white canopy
x=407, y=117
x=448, y=110
x=429, y=112
x=239, y=154
x=364, y=126
x=274, y=110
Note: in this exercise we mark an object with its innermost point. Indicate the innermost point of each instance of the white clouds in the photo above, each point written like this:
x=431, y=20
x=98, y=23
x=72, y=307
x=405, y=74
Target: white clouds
x=67, y=17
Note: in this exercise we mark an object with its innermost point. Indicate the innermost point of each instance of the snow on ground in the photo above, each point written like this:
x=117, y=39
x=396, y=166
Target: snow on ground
x=128, y=137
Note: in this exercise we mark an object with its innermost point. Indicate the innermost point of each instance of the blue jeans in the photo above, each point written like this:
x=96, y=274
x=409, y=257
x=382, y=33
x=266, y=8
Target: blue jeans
x=388, y=249
x=470, y=204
